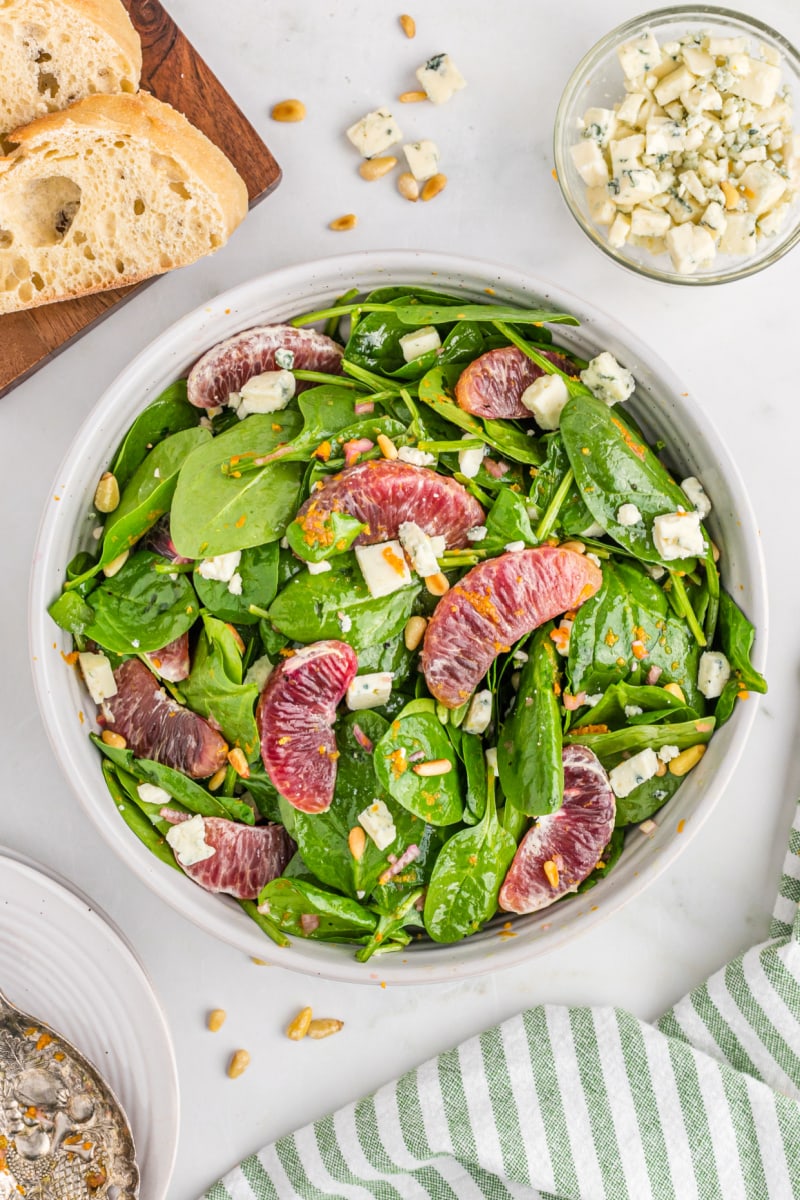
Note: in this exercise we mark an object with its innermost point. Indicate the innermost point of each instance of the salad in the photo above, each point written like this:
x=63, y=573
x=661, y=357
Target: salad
x=395, y=621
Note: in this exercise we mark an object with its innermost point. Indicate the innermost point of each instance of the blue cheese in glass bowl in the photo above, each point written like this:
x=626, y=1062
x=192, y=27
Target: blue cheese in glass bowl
x=676, y=146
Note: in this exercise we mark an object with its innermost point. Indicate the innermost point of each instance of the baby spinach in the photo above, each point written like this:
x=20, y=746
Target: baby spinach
x=650, y=699
x=390, y=933
x=463, y=890
x=375, y=345
x=573, y=517
x=614, y=466
x=737, y=635
x=390, y=655
x=71, y=612
x=612, y=747
x=258, y=569
x=312, y=607
x=512, y=442
x=146, y=498
x=529, y=743
x=139, y=610
x=625, y=629
x=646, y=799
x=474, y=760
x=507, y=521
x=418, y=736
x=436, y=391
x=287, y=901
x=322, y=838
x=425, y=314
x=319, y=535
x=263, y=791
x=135, y=819
x=214, y=687
x=213, y=512
x=325, y=410
x=169, y=413
x=185, y=791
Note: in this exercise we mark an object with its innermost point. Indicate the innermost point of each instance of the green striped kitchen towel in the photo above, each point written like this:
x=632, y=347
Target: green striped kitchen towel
x=582, y=1103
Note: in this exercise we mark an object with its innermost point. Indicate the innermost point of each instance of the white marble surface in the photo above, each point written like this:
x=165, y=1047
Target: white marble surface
x=735, y=348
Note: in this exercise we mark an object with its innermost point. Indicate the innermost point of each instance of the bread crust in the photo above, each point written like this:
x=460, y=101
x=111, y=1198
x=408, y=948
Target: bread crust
x=143, y=116
x=167, y=131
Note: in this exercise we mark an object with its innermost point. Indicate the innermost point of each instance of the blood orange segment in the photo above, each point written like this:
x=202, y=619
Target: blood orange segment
x=493, y=606
x=156, y=726
x=383, y=494
x=227, y=367
x=564, y=847
x=491, y=386
x=295, y=716
x=246, y=857
x=172, y=661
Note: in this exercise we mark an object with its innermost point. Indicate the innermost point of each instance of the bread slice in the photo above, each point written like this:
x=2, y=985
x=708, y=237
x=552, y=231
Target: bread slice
x=107, y=193
x=54, y=52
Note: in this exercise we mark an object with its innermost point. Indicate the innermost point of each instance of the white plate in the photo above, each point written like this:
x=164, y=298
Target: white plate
x=661, y=404
x=63, y=962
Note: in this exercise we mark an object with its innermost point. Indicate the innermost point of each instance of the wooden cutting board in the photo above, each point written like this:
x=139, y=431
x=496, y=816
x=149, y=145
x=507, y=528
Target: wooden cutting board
x=173, y=71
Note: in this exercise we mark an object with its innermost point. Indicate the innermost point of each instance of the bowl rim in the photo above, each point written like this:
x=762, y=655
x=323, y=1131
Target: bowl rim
x=220, y=916
x=664, y=16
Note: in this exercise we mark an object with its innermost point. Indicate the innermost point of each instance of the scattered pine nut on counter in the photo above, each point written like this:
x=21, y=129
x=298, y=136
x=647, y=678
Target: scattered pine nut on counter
x=216, y=1019
x=341, y=224
x=408, y=25
x=698, y=157
x=297, y=1028
x=289, y=111
x=240, y=1061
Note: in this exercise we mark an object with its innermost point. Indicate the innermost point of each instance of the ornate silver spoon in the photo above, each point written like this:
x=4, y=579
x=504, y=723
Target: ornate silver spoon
x=63, y=1133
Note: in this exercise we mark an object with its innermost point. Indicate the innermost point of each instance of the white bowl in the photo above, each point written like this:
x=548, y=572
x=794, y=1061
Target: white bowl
x=694, y=445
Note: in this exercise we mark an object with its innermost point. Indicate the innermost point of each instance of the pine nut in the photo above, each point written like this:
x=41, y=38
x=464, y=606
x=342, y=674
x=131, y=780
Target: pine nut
x=289, y=110
x=376, y=168
x=715, y=551
x=437, y=584
x=661, y=770
x=387, y=447
x=414, y=632
x=551, y=871
x=217, y=779
x=675, y=691
x=216, y=1019
x=578, y=547
x=357, y=842
x=687, y=759
x=407, y=186
x=436, y=184
x=648, y=827
x=106, y=494
x=239, y=1063
x=408, y=25
x=348, y=221
x=298, y=1028
x=238, y=761
x=116, y=740
x=412, y=97
x=434, y=766
x=323, y=1027
x=116, y=564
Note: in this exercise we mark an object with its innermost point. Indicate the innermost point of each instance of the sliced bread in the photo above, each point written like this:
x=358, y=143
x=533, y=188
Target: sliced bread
x=107, y=193
x=54, y=52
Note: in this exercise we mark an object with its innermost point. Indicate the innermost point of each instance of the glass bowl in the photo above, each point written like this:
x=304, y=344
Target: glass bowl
x=597, y=81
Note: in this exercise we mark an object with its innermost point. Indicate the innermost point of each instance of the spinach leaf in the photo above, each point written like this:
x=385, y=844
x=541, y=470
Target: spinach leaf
x=425, y=314
x=507, y=521
x=612, y=747
x=264, y=792
x=474, y=760
x=213, y=512
x=436, y=799
x=614, y=466
x=390, y=655
x=375, y=345
x=311, y=607
x=626, y=628
x=436, y=391
x=258, y=569
x=71, y=612
x=214, y=688
x=169, y=413
x=650, y=699
x=462, y=894
x=573, y=515
x=322, y=838
x=390, y=934
x=180, y=787
x=737, y=635
x=135, y=819
x=512, y=441
x=325, y=410
x=646, y=799
x=529, y=744
x=139, y=610
x=286, y=901
x=389, y=295
x=321, y=534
